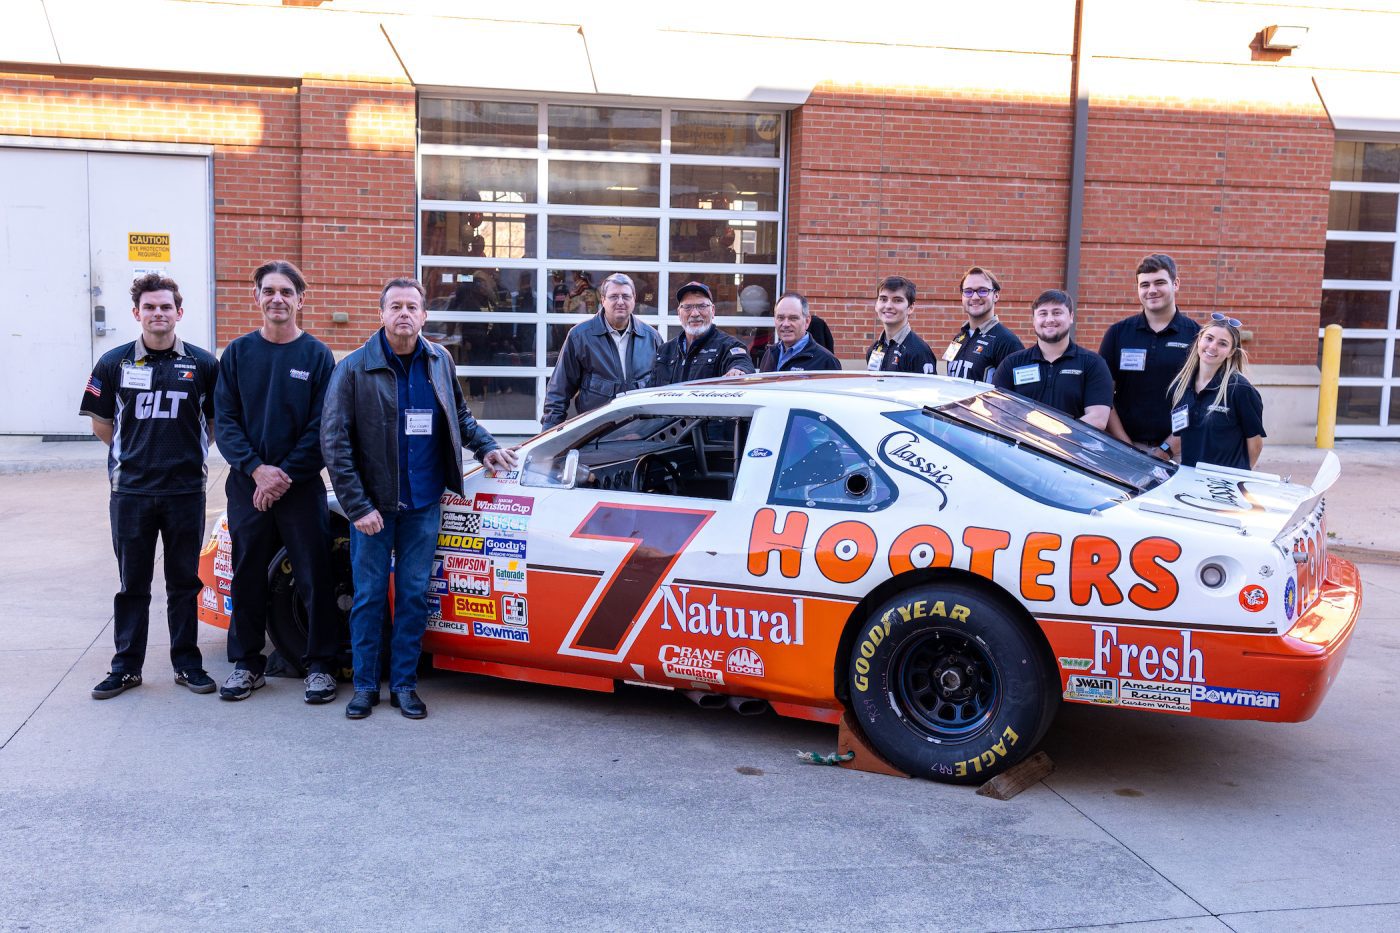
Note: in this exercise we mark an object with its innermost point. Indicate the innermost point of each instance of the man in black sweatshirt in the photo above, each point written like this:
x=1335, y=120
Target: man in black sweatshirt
x=267, y=415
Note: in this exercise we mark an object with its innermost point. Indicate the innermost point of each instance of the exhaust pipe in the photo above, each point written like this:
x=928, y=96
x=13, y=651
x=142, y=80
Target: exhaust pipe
x=747, y=706
x=706, y=700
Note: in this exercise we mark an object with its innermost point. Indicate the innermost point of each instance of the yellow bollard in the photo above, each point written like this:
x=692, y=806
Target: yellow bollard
x=1327, y=391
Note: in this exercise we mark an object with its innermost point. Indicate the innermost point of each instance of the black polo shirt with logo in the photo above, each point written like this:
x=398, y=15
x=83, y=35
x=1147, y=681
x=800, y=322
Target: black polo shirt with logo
x=906, y=355
x=1074, y=382
x=1217, y=433
x=160, y=404
x=1143, y=363
x=980, y=352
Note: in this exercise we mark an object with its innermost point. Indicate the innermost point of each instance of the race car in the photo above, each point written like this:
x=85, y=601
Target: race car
x=943, y=560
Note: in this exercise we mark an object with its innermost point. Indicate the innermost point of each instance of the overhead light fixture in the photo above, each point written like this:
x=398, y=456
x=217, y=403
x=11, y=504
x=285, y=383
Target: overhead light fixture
x=1284, y=38
x=622, y=187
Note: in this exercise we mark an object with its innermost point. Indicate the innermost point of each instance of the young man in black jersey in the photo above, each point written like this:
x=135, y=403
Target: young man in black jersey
x=272, y=385
x=898, y=349
x=152, y=402
x=983, y=342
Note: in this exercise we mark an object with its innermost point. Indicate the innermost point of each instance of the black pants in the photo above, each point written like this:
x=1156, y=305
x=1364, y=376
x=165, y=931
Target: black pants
x=136, y=522
x=299, y=521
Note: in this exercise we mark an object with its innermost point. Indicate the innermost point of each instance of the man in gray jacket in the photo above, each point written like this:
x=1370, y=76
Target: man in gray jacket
x=602, y=357
x=392, y=433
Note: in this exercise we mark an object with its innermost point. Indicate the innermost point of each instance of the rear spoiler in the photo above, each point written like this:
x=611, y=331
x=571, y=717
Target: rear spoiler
x=1327, y=475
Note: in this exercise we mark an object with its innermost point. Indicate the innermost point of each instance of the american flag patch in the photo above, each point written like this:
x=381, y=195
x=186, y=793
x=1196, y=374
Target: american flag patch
x=94, y=387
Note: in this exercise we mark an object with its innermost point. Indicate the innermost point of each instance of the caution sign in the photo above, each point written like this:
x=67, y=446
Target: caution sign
x=148, y=247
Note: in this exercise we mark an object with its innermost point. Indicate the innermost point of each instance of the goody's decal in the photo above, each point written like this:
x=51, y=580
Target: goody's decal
x=909, y=453
x=505, y=547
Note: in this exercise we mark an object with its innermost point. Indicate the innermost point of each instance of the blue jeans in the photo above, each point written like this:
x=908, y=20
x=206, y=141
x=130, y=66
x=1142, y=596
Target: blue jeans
x=410, y=538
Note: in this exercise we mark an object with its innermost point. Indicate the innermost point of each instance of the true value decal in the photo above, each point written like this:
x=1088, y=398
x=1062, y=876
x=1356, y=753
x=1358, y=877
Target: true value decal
x=908, y=453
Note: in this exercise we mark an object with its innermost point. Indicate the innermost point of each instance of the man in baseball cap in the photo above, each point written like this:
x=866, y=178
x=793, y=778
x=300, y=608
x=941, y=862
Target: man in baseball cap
x=701, y=350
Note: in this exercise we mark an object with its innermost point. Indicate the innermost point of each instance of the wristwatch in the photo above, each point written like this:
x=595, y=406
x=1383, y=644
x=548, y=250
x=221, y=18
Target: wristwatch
x=1165, y=447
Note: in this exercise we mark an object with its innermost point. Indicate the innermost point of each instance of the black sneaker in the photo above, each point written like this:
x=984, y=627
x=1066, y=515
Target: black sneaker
x=197, y=680
x=320, y=687
x=114, y=684
x=241, y=684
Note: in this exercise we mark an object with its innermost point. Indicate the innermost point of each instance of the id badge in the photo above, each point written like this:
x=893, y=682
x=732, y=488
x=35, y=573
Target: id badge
x=1133, y=361
x=951, y=353
x=137, y=377
x=877, y=359
x=1181, y=419
x=418, y=421
x=1022, y=375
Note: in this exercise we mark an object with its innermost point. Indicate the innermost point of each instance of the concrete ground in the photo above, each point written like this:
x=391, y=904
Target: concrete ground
x=518, y=807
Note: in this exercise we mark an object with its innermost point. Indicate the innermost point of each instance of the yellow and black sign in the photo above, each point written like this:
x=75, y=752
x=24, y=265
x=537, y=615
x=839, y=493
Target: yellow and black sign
x=148, y=247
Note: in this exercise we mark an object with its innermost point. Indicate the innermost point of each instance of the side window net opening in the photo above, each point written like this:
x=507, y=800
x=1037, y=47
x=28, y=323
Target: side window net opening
x=821, y=466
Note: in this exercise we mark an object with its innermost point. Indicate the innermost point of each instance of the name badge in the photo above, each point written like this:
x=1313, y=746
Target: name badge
x=877, y=359
x=418, y=421
x=1181, y=418
x=1022, y=375
x=1132, y=360
x=137, y=377
x=951, y=353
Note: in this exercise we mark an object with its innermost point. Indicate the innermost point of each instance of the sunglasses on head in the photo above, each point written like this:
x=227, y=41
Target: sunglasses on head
x=1218, y=318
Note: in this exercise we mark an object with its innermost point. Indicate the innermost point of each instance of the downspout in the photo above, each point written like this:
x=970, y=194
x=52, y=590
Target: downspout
x=1078, y=145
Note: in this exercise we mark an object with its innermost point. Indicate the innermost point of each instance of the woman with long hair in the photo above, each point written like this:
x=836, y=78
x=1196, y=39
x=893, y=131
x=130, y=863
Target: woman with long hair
x=1217, y=415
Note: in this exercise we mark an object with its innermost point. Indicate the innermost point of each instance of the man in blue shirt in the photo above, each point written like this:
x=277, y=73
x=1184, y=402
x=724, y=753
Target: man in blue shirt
x=393, y=431
x=795, y=350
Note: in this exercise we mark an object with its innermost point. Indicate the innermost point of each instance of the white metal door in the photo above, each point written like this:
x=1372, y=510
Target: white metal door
x=45, y=337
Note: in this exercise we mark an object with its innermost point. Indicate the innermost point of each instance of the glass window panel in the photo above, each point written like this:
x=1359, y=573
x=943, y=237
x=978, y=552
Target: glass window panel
x=612, y=129
x=568, y=290
x=602, y=238
x=478, y=123
x=458, y=178
x=1349, y=259
x=1358, y=161
x=1359, y=357
x=724, y=188
x=1355, y=309
x=614, y=184
x=474, y=233
x=735, y=293
x=1395, y=404
x=1358, y=404
x=496, y=398
x=703, y=132
x=1361, y=210
x=479, y=289
x=756, y=338
x=724, y=241
x=485, y=343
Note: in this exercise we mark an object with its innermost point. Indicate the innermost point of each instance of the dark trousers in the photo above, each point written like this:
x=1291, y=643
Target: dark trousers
x=136, y=523
x=299, y=521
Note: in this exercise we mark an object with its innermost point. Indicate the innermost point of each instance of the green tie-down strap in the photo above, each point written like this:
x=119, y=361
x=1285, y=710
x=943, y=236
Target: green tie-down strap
x=817, y=758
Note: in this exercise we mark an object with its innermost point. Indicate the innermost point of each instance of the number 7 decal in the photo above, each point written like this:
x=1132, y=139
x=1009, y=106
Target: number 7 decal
x=658, y=536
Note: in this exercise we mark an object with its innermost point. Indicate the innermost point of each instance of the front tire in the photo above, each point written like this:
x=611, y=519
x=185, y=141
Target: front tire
x=948, y=684
x=286, y=615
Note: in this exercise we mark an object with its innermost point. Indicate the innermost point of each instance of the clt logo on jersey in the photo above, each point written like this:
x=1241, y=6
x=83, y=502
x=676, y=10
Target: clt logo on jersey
x=160, y=404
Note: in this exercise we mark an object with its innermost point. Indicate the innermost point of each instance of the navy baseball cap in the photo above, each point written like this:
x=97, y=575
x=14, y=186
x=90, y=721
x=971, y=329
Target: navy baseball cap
x=700, y=287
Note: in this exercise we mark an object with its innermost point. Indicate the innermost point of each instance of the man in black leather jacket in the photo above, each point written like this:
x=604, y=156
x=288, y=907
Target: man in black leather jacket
x=701, y=350
x=603, y=357
x=392, y=433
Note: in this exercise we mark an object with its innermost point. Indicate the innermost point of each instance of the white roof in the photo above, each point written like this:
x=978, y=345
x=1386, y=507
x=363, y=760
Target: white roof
x=806, y=389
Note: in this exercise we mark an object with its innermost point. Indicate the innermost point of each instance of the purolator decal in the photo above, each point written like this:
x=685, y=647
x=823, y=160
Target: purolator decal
x=909, y=453
x=701, y=665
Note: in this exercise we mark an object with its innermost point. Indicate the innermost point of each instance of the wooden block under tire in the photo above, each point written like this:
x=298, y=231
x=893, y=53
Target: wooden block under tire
x=1018, y=777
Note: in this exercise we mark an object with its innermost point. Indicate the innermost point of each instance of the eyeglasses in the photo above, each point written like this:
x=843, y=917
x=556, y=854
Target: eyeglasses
x=979, y=292
x=1219, y=318
x=702, y=306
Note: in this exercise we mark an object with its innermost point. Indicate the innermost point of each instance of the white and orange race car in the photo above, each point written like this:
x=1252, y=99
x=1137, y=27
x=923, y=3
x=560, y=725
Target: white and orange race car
x=942, y=560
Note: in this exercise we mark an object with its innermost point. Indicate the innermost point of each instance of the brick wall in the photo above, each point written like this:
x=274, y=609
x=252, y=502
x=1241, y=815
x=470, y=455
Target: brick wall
x=321, y=173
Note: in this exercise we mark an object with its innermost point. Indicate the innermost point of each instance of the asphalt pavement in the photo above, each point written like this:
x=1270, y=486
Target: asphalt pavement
x=519, y=807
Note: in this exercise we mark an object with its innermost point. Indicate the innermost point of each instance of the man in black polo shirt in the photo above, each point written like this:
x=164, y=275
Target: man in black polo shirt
x=701, y=350
x=983, y=342
x=795, y=350
x=898, y=349
x=1144, y=353
x=152, y=402
x=1057, y=372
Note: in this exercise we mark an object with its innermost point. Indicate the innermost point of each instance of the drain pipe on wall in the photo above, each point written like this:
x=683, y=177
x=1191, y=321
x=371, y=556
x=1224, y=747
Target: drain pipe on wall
x=1079, y=95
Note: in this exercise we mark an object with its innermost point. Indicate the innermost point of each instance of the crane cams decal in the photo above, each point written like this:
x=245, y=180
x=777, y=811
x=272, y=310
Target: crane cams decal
x=908, y=453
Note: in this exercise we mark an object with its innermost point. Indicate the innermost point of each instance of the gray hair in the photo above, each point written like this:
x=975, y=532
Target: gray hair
x=402, y=283
x=618, y=278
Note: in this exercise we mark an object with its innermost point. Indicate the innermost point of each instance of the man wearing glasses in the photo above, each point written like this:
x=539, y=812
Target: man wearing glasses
x=983, y=342
x=603, y=357
x=1144, y=353
x=701, y=350
x=898, y=348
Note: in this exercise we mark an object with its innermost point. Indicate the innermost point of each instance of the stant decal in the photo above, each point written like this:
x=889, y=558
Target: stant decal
x=474, y=607
x=701, y=665
x=1254, y=598
x=744, y=660
x=909, y=453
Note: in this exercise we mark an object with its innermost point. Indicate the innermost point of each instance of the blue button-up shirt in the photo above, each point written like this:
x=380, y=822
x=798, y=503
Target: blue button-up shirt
x=421, y=476
x=785, y=354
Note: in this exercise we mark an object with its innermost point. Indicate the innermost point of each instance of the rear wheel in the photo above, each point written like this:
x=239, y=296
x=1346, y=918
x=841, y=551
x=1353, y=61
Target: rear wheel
x=286, y=615
x=947, y=684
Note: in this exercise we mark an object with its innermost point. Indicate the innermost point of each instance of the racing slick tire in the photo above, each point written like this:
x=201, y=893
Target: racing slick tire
x=948, y=684
x=286, y=615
